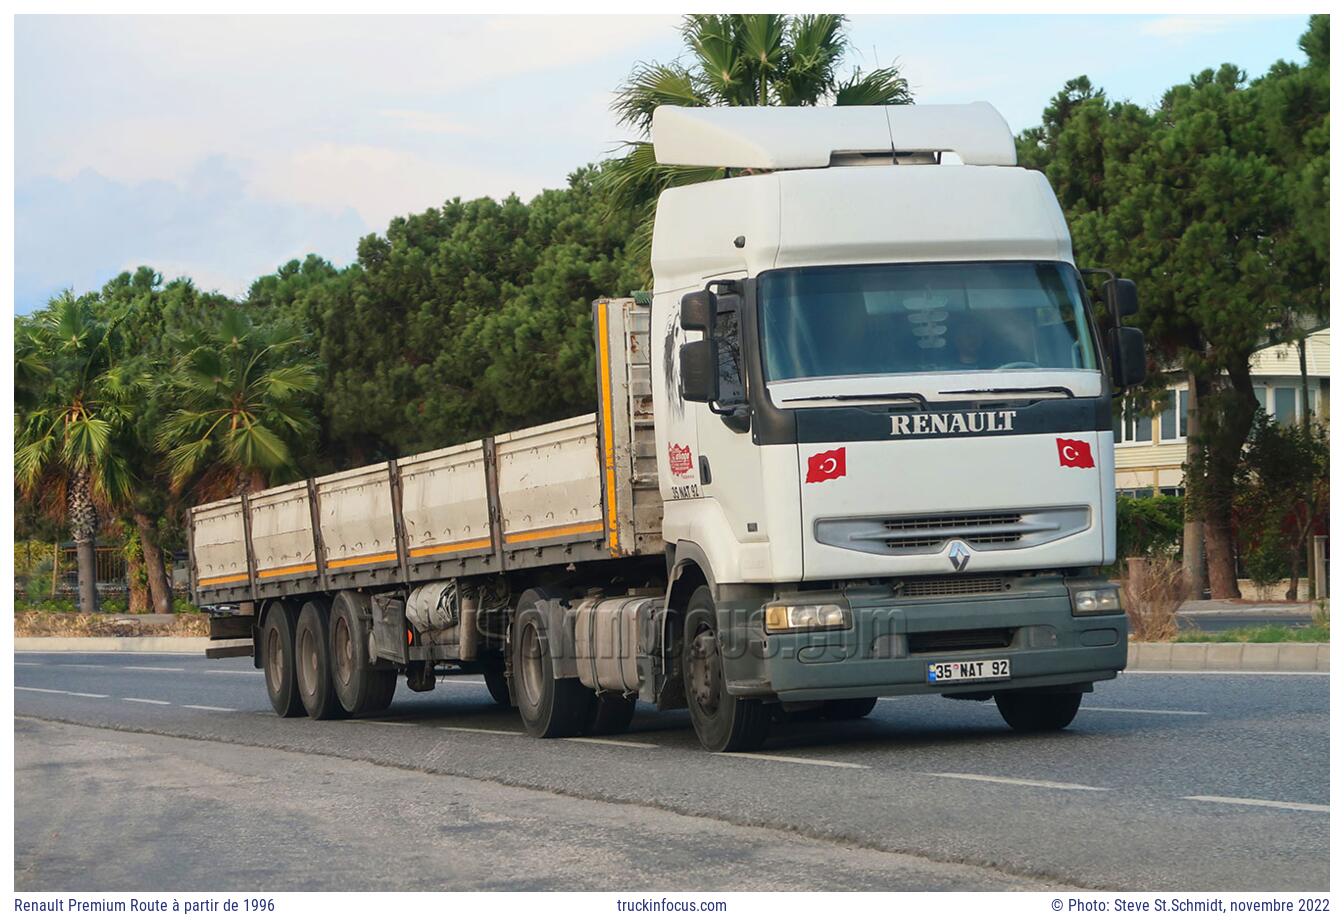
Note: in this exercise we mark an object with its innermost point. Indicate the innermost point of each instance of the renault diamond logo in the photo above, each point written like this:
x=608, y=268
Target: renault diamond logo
x=958, y=554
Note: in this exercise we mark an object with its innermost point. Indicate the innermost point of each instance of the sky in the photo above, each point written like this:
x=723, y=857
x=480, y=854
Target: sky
x=221, y=147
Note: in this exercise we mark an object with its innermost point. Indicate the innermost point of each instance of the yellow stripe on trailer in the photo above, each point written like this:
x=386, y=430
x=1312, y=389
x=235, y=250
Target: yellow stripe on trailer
x=568, y=530
x=361, y=560
x=458, y=547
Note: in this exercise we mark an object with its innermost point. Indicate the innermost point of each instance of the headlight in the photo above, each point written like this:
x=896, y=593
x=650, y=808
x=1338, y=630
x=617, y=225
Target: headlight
x=783, y=617
x=1096, y=600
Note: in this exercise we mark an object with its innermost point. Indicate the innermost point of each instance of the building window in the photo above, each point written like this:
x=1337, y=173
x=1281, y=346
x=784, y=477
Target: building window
x=1285, y=405
x=1173, y=490
x=1132, y=426
x=1146, y=492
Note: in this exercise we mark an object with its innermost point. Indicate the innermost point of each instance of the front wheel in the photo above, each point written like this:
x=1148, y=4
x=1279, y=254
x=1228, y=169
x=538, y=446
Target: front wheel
x=1038, y=711
x=722, y=722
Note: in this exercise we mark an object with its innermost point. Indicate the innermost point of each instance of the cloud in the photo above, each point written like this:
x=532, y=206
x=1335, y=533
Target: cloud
x=79, y=232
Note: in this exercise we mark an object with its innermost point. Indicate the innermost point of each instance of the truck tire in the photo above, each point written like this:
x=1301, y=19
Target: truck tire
x=277, y=659
x=312, y=652
x=722, y=722
x=1038, y=710
x=551, y=707
x=496, y=682
x=358, y=686
x=612, y=714
x=846, y=710
x=384, y=688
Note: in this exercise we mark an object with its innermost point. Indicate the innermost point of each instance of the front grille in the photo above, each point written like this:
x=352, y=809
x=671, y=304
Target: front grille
x=959, y=640
x=929, y=532
x=953, y=585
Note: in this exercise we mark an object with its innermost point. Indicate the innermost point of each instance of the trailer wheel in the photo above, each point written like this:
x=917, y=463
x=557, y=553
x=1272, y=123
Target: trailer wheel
x=551, y=707
x=277, y=660
x=312, y=651
x=845, y=710
x=384, y=688
x=358, y=686
x=496, y=682
x=612, y=714
x=722, y=722
x=1038, y=711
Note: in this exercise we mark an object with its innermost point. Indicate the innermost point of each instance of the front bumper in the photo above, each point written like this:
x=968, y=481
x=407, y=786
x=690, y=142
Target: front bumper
x=890, y=643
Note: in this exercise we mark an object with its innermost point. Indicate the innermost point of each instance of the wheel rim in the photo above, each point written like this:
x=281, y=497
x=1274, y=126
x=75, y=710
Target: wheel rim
x=345, y=651
x=705, y=671
x=275, y=660
x=532, y=672
x=308, y=666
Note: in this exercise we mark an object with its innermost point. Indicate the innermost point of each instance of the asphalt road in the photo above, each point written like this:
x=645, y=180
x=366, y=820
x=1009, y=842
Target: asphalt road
x=158, y=772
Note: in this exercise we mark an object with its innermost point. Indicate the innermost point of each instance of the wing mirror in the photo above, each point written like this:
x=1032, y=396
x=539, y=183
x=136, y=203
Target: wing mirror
x=1129, y=364
x=700, y=371
x=698, y=309
x=1122, y=298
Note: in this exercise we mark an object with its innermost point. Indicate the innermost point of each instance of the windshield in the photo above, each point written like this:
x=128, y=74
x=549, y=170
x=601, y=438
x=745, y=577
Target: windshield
x=922, y=318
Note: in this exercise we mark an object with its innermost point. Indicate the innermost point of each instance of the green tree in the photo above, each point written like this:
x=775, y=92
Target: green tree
x=1201, y=205
x=736, y=59
x=68, y=423
x=1284, y=487
x=239, y=407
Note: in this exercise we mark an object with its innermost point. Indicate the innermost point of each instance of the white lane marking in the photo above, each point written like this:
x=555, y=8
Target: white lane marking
x=1011, y=781
x=136, y=699
x=614, y=742
x=99, y=666
x=782, y=758
x=27, y=664
x=219, y=671
x=383, y=722
x=208, y=708
x=477, y=731
x=92, y=696
x=131, y=667
x=1146, y=712
x=462, y=680
x=1262, y=803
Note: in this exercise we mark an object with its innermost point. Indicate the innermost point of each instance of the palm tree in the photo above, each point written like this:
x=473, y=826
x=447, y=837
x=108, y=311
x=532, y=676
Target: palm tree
x=241, y=395
x=737, y=59
x=73, y=405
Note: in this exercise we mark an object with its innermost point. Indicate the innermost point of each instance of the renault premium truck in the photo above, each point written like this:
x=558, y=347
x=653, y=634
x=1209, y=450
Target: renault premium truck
x=856, y=444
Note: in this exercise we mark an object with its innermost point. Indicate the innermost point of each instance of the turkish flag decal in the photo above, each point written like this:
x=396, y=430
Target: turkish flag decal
x=1075, y=453
x=829, y=464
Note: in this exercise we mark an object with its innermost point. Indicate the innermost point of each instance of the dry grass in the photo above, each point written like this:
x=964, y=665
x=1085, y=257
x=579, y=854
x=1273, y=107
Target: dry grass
x=71, y=625
x=1153, y=590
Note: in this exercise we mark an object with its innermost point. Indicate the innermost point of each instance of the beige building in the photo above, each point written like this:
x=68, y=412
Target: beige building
x=1150, y=445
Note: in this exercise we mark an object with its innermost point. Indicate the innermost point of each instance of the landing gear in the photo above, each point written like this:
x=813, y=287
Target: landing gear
x=1038, y=710
x=277, y=659
x=722, y=722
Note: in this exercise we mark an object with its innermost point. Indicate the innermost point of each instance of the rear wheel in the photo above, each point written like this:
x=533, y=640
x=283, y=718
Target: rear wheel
x=722, y=722
x=360, y=688
x=277, y=659
x=844, y=710
x=1038, y=710
x=313, y=655
x=551, y=707
x=496, y=682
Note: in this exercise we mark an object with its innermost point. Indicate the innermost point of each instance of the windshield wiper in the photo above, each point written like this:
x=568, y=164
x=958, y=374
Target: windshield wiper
x=1052, y=389
x=854, y=397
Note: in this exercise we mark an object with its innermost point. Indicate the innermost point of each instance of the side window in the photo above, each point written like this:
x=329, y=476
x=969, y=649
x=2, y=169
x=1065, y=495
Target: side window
x=732, y=391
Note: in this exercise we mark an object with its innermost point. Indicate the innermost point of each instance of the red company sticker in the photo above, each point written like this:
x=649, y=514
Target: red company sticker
x=679, y=459
x=1075, y=453
x=829, y=464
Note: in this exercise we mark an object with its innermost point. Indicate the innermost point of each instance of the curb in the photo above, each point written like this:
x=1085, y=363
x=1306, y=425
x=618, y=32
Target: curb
x=160, y=644
x=1288, y=657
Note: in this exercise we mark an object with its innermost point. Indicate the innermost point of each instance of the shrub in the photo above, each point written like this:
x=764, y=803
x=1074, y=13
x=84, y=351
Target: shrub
x=1153, y=590
x=1152, y=526
x=1268, y=563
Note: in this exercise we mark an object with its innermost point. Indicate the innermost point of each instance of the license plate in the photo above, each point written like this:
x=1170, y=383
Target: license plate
x=951, y=672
